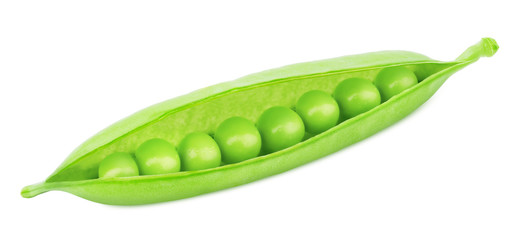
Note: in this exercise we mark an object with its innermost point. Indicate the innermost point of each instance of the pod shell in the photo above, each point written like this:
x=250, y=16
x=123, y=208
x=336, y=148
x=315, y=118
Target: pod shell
x=160, y=188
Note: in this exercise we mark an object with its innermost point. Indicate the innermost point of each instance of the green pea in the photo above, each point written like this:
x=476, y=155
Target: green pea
x=157, y=156
x=356, y=96
x=280, y=127
x=392, y=81
x=119, y=164
x=318, y=110
x=238, y=139
x=199, y=151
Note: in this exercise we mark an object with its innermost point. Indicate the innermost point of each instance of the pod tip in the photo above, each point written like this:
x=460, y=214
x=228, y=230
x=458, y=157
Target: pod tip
x=26, y=192
x=33, y=190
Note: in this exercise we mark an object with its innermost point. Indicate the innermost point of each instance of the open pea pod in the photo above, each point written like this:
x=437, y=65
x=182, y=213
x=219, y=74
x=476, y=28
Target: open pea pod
x=249, y=96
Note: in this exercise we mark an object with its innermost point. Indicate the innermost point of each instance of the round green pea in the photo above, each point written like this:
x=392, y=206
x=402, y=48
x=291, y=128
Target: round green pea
x=119, y=164
x=356, y=96
x=318, y=110
x=238, y=139
x=280, y=127
x=199, y=151
x=392, y=81
x=157, y=156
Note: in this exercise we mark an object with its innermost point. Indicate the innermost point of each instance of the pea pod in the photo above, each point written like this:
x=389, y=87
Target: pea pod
x=248, y=97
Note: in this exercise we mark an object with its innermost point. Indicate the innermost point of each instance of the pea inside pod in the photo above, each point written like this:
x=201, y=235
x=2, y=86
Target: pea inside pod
x=118, y=165
x=280, y=127
x=318, y=110
x=394, y=80
x=199, y=151
x=356, y=96
x=249, y=97
x=157, y=156
x=238, y=139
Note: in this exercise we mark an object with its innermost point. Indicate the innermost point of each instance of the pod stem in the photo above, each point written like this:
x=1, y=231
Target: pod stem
x=486, y=47
x=34, y=190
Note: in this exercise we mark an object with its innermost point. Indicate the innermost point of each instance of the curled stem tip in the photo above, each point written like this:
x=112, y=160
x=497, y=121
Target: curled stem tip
x=486, y=47
x=490, y=46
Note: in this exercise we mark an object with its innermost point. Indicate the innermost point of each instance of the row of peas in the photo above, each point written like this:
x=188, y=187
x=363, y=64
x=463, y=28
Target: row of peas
x=237, y=139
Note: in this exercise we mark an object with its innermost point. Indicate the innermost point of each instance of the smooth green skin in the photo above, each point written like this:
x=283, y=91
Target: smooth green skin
x=278, y=86
x=119, y=164
x=392, y=81
x=319, y=111
x=280, y=127
x=157, y=156
x=238, y=139
x=356, y=96
x=199, y=151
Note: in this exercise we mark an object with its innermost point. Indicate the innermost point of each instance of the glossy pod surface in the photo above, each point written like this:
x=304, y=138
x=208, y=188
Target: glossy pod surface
x=247, y=98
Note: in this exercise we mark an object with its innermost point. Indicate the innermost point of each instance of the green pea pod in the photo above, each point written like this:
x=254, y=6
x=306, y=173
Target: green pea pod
x=249, y=96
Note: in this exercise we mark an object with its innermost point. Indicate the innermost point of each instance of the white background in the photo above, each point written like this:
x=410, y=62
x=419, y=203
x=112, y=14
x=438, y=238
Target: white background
x=448, y=171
